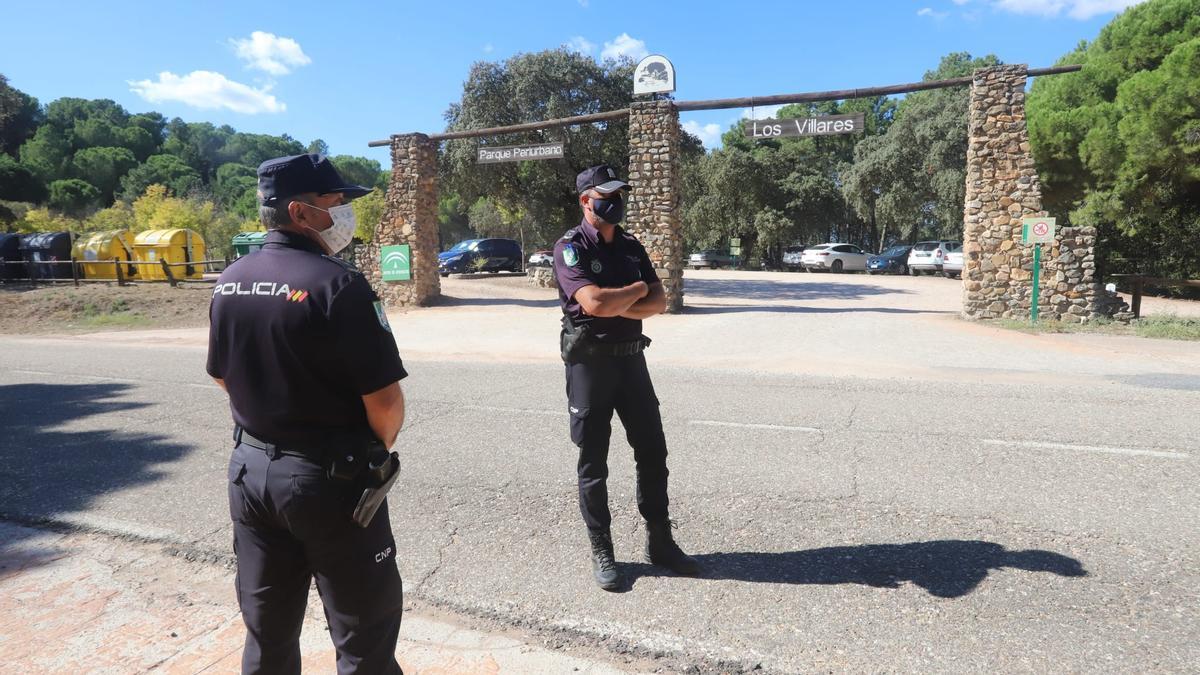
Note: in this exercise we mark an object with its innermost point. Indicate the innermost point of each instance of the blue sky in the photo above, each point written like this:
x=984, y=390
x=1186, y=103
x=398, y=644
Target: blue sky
x=351, y=72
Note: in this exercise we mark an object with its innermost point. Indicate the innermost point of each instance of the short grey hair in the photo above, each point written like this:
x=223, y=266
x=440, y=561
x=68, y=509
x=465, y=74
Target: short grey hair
x=277, y=216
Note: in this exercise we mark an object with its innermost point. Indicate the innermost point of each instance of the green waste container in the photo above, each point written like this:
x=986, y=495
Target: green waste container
x=248, y=242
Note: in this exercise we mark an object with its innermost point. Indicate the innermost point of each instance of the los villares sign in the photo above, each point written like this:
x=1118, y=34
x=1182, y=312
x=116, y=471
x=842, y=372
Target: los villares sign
x=519, y=153
x=827, y=125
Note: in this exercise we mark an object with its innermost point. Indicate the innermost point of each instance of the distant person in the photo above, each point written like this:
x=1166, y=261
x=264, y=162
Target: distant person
x=607, y=285
x=301, y=344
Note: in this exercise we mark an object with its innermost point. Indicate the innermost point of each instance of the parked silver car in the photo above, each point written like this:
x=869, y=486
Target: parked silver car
x=953, y=264
x=928, y=257
x=711, y=259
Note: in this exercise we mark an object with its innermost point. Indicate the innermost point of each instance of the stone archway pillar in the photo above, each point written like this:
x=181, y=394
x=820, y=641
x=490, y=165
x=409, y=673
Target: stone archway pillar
x=653, y=214
x=409, y=217
x=1002, y=188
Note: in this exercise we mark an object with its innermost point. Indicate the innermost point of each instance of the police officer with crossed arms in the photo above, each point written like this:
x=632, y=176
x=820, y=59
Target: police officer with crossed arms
x=302, y=346
x=607, y=286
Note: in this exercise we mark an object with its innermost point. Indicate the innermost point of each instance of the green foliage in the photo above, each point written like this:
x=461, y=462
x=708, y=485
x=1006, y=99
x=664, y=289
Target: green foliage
x=911, y=181
x=368, y=211
x=527, y=88
x=19, y=117
x=103, y=167
x=166, y=170
x=772, y=193
x=17, y=182
x=1118, y=144
x=73, y=196
x=119, y=216
x=44, y=220
x=46, y=154
x=359, y=171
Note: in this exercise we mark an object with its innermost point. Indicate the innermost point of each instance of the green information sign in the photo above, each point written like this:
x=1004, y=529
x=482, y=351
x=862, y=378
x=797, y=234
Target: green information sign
x=396, y=263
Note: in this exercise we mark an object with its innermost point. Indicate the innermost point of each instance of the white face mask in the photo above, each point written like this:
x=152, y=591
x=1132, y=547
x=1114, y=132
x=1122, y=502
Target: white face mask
x=341, y=233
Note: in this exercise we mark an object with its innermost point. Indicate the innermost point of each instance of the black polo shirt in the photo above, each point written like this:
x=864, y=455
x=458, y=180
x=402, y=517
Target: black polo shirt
x=583, y=258
x=299, y=338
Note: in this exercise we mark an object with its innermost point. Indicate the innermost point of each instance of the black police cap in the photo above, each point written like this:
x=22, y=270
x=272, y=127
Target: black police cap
x=602, y=178
x=284, y=177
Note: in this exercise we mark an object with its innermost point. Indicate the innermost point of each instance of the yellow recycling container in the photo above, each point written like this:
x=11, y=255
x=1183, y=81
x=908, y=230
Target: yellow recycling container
x=96, y=252
x=174, y=246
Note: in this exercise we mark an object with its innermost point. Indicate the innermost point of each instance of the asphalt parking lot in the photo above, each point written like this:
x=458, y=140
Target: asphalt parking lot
x=871, y=483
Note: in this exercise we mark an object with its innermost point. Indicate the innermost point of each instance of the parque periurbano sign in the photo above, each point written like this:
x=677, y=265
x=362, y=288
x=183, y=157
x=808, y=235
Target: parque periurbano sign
x=519, y=153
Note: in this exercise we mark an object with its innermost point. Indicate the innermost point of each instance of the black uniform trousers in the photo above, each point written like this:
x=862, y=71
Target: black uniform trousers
x=291, y=522
x=597, y=386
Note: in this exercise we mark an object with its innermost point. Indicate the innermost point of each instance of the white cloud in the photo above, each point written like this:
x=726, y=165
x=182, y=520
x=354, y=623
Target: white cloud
x=928, y=11
x=624, y=45
x=583, y=3
x=709, y=134
x=1076, y=9
x=270, y=53
x=960, y=3
x=207, y=90
x=489, y=48
x=580, y=44
x=760, y=112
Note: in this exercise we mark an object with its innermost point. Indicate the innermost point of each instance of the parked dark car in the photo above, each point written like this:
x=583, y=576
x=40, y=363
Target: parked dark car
x=892, y=261
x=481, y=255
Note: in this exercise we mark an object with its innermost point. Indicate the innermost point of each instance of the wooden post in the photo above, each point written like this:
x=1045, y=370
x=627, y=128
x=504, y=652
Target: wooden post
x=120, y=271
x=167, y=271
x=75, y=271
x=1137, y=296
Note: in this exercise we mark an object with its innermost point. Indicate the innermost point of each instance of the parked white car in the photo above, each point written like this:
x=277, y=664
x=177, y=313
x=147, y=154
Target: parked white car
x=928, y=257
x=953, y=265
x=545, y=258
x=835, y=258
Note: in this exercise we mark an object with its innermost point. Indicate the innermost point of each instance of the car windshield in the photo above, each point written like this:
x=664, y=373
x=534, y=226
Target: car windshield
x=895, y=250
x=953, y=248
x=461, y=246
x=926, y=246
x=794, y=249
x=822, y=247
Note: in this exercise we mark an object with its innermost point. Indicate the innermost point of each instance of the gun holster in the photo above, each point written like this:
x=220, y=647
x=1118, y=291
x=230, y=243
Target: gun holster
x=382, y=470
x=575, y=341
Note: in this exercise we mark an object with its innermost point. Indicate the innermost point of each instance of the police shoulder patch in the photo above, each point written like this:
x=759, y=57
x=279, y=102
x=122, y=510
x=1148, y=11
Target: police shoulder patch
x=570, y=234
x=570, y=256
x=382, y=316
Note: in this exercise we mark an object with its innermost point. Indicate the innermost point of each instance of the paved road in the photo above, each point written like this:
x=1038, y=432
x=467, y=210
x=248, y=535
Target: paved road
x=950, y=517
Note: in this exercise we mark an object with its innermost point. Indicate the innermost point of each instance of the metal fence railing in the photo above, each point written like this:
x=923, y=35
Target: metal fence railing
x=123, y=271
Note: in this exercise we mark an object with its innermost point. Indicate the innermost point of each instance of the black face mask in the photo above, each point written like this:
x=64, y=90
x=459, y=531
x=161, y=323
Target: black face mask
x=612, y=210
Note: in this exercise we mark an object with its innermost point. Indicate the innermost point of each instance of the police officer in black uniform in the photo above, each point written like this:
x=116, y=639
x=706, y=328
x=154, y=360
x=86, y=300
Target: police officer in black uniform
x=607, y=285
x=301, y=344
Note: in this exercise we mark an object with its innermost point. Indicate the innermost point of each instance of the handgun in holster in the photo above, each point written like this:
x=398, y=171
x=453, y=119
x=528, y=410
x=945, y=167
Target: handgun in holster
x=575, y=341
x=383, y=468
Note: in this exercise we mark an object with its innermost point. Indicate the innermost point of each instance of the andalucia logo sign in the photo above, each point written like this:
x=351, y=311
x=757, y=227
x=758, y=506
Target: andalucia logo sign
x=396, y=263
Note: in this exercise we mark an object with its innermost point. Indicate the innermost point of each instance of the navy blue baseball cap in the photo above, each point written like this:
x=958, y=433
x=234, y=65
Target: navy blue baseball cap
x=284, y=177
x=601, y=178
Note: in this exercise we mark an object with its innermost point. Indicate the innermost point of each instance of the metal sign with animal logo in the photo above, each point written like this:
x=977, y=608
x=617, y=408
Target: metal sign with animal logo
x=653, y=75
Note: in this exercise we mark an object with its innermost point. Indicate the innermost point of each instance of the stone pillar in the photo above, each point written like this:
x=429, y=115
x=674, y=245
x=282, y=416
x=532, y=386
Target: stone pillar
x=409, y=217
x=653, y=213
x=1002, y=188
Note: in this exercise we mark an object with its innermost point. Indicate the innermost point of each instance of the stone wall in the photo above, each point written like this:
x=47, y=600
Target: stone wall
x=1002, y=188
x=409, y=217
x=653, y=213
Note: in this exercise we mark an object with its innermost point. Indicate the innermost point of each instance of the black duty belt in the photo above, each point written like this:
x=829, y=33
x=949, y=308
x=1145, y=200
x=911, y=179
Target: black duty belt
x=244, y=437
x=619, y=348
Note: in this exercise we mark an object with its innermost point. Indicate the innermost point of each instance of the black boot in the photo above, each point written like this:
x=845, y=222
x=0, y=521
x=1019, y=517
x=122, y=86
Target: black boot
x=604, y=565
x=661, y=549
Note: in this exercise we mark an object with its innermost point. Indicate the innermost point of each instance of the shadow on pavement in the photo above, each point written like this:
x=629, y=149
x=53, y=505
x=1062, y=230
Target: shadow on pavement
x=748, y=289
x=47, y=468
x=451, y=301
x=946, y=569
x=794, y=309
